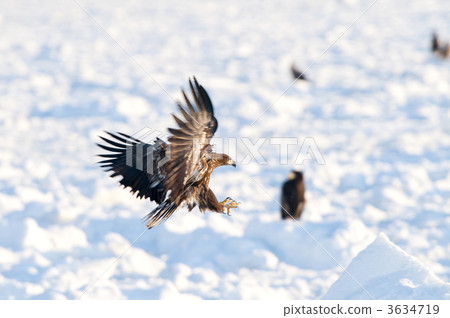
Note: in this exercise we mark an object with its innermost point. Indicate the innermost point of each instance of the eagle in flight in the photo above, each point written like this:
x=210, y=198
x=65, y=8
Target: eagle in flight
x=175, y=173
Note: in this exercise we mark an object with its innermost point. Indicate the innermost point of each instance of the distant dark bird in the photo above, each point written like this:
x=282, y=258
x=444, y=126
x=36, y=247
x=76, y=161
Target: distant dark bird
x=174, y=173
x=297, y=74
x=293, y=196
x=434, y=42
x=438, y=48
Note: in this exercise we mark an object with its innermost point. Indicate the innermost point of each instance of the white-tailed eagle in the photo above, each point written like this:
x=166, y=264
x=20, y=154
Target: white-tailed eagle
x=293, y=196
x=175, y=173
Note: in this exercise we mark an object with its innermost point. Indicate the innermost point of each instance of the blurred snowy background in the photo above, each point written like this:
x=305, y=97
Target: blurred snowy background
x=378, y=108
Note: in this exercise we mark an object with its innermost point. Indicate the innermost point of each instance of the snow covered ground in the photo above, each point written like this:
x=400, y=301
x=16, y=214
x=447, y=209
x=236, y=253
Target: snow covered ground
x=378, y=109
x=384, y=271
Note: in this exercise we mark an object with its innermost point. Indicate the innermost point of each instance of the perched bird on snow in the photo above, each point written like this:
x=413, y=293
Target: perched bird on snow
x=293, y=196
x=175, y=173
x=297, y=74
x=438, y=48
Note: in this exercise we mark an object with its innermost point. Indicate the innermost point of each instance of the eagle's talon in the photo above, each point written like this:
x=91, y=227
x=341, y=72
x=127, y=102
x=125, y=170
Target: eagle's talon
x=228, y=204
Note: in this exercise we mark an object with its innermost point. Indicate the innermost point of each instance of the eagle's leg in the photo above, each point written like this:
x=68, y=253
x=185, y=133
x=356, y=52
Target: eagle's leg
x=228, y=204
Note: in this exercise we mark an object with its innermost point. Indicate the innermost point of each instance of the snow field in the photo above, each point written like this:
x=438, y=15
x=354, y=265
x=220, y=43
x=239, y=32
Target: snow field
x=377, y=109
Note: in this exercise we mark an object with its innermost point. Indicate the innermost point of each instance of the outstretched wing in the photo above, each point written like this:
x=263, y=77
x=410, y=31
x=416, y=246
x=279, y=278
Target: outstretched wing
x=190, y=142
x=138, y=163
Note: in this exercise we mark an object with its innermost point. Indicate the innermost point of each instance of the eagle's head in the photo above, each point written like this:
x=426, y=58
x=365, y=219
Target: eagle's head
x=295, y=175
x=228, y=161
x=221, y=159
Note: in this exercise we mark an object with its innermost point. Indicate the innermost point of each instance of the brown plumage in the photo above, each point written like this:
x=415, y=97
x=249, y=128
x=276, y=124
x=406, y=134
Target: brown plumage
x=442, y=50
x=175, y=173
x=293, y=196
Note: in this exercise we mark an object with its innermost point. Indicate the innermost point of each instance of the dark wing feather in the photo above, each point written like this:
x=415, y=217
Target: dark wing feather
x=190, y=142
x=161, y=213
x=138, y=163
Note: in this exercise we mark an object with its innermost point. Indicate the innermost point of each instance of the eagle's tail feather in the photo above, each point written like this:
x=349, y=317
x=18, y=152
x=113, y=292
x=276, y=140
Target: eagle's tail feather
x=161, y=213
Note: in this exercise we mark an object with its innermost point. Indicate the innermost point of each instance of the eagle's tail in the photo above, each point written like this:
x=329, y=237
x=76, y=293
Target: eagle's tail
x=161, y=213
